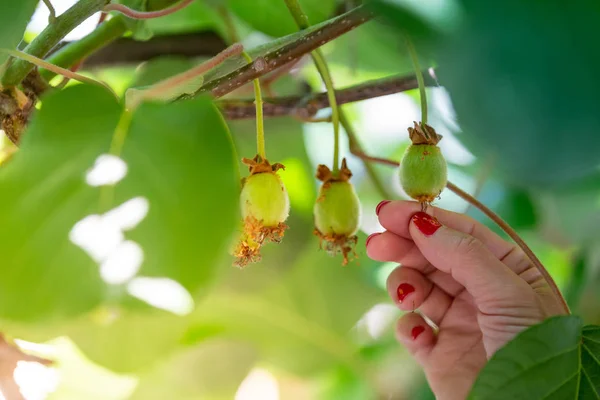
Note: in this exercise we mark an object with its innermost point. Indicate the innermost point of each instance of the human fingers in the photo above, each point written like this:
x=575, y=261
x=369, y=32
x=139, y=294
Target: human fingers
x=411, y=290
x=492, y=284
x=416, y=335
x=395, y=217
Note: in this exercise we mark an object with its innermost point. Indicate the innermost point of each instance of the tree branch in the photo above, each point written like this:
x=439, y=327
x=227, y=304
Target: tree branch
x=306, y=107
x=291, y=51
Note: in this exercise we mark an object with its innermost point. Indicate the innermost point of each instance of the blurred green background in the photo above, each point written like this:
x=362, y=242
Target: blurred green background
x=517, y=106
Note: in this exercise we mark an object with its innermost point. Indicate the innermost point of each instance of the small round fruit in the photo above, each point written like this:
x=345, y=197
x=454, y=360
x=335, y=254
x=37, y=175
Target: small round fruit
x=265, y=199
x=423, y=172
x=337, y=210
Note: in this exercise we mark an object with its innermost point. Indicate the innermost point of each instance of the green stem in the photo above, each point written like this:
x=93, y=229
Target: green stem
x=302, y=21
x=299, y=16
x=260, y=129
x=321, y=65
x=57, y=70
x=72, y=53
x=419, y=74
x=50, y=37
x=356, y=147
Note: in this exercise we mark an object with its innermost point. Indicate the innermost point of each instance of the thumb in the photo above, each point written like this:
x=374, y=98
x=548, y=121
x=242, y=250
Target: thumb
x=469, y=262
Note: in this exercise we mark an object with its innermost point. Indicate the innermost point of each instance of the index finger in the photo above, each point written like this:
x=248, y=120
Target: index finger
x=395, y=217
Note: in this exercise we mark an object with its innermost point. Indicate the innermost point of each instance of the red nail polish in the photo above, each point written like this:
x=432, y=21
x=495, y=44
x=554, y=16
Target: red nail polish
x=380, y=206
x=416, y=331
x=371, y=236
x=404, y=289
x=426, y=223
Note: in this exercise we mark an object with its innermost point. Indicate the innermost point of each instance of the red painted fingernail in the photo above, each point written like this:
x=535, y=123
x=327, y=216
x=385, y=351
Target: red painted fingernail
x=380, y=206
x=416, y=331
x=404, y=290
x=426, y=223
x=371, y=236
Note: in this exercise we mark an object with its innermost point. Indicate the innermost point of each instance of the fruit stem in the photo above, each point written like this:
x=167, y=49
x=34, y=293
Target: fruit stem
x=134, y=14
x=260, y=129
x=302, y=22
x=502, y=224
x=419, y=74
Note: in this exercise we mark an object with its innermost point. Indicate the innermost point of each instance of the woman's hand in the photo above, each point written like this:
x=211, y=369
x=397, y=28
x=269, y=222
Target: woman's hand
x=478, y=289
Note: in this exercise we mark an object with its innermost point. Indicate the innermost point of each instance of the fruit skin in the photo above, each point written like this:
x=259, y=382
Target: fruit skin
x=264, y=198
x=337, y=210
x=423, y=172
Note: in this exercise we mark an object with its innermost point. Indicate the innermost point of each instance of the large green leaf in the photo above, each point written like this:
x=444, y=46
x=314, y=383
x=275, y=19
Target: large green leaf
x=273, y=17
x=523, y=80
x=175, y=154
x=210, y=370
x=44, y=194
x=14, y=18
x=557, y=359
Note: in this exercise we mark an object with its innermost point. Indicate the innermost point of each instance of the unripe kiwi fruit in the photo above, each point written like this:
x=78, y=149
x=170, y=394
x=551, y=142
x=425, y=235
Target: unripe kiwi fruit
x=423, y=169
x=265, y=198
x=337, y=210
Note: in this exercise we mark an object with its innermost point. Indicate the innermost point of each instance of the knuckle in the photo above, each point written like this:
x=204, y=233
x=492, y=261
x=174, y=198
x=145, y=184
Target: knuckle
x=468, y=246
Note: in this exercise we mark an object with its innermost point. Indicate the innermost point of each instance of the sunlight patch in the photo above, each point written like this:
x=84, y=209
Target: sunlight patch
x=36, y=381
x=122, y=264
x=163, y=293
x=96, y=236
x=129, y=214
x=107, y=170
x=259, y=384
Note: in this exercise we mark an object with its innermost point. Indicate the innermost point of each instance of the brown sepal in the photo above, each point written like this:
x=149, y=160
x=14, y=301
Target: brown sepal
x=259, y=165
x=325, y=175
x=423, y=134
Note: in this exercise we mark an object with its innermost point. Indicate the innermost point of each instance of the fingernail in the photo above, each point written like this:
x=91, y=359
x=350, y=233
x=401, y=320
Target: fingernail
x=371, y=236
x=416, y=331
x=426, y=223
x=404, y=289
x=380, y=206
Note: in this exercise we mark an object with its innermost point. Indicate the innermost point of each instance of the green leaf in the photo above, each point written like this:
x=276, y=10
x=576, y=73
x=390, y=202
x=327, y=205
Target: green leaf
x=273, y=17
x=139, y=27
x=176, y=155
x=198, y=16
x=523, y=80
x=43, y=195
x=185, y=375
x=557, y=359
x=13, y=20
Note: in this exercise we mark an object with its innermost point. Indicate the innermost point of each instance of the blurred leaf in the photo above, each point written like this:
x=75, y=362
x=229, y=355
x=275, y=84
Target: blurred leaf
x=373, y=47
x=43, y=195
x=127, y=341
x=577, y=282
x=13, y=20
x=210, y=370
x=81, y=379
x=406, y=22
x=198, y=16
x=169, y=151
x=507, y=70
x=160, y=68
x=139, y=27
x=300, y=320
x=261, y=14
x=557, y=359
